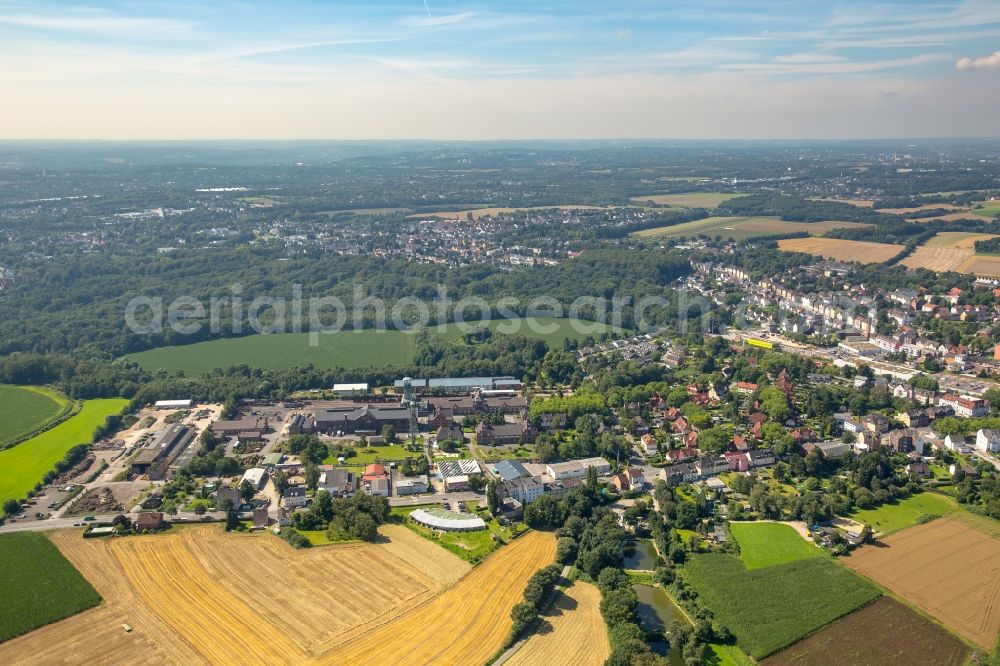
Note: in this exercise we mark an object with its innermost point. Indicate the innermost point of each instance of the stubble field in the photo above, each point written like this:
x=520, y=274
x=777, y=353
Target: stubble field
x=572, y=629
x=740, y=228
x=198, y=595
x=467, y=623
x=948, y=568
x=687, y=199
x=206, y=596
x=842, y=250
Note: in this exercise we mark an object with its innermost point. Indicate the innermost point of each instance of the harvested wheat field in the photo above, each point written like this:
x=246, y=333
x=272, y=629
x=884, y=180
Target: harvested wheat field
x=922, y=208
x=573, y=629
x=92, y=637
x=314, y=615
x=842, y=250
x=464, y=625
x=948, y=568
x=961, y=239
x=859, y=203
x=938, y=258
x=199, y=595
x=687, y=200
x=981, y=264
x=88, y=637
x=478, y=213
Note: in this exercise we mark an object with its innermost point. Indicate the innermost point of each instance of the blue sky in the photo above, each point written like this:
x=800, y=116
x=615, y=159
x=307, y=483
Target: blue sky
x=468, y=70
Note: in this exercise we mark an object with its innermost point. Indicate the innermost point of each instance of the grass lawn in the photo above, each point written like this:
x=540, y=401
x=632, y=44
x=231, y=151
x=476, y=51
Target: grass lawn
x=322, y=538
x=344, y=349
x=726, y=655
x=24, y=465
x=895, y=516
x=490, y=454
x=769, y=608
x=28, y=409
x=368, y=455
x=39, y=585
x=193, y=504
x=768, y=544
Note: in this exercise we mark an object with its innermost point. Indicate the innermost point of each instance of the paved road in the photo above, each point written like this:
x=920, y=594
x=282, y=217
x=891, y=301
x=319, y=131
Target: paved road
x=988, y=458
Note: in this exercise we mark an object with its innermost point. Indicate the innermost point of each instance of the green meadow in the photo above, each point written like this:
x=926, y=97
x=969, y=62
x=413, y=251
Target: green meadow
x=28, y=409
x=22, y=466
x=768, y=544
x=344, y=349
x=900, y=514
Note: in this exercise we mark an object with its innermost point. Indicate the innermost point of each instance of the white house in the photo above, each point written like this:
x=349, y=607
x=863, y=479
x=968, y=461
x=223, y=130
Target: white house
x=525, y=489
x=956, y=443
x=294, y=497
x=988, y=441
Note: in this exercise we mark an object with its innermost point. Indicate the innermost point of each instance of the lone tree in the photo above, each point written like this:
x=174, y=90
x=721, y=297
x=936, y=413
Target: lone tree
x=312, y=476
x=122, y=522
x=232, y=521
x=389, y=433
x=200, y=509
x=247, y=491
x=11, y=507
x=492, y=497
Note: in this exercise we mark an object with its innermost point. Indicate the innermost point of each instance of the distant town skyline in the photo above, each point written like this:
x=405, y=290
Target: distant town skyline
x=515, y=70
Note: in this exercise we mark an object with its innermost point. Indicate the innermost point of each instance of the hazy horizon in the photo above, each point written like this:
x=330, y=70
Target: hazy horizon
x=433, y=71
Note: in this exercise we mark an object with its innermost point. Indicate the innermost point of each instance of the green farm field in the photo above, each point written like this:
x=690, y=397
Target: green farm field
x=740, y=228
x=28, y=409
x=39, y=585
x=769, y=544
x=895, y=516
x=772, y=607
x=345, y=349
x=989, y=210
x=24, y=465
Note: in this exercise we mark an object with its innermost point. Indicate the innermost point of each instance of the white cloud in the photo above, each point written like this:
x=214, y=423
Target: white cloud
x=432, y=21
x=991, y=61
x=98, y=22
x=797, y=58
x=837, y=67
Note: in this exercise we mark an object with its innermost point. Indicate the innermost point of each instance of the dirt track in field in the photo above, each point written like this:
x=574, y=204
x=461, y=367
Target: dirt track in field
x=466, y=624
x=946, y=567
x=572, y=629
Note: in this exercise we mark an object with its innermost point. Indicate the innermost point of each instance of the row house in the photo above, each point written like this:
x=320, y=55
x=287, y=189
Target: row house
x=965, y=406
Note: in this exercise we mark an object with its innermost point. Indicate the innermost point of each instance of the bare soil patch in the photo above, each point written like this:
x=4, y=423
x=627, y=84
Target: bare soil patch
x=948, y=568
x=885, y=632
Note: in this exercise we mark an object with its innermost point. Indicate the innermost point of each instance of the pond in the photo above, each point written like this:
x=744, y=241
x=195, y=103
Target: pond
x=643, y=557
x=656, y=613
x=656, y=610
x=662, y=648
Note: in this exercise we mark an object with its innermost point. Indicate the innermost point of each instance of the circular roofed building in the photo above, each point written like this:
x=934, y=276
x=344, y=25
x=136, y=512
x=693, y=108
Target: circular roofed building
x=449, y=521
